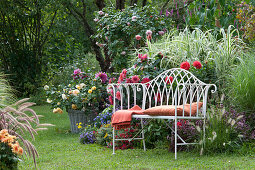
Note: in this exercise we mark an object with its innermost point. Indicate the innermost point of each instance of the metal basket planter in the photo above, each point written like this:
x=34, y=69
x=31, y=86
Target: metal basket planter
x=77, y=116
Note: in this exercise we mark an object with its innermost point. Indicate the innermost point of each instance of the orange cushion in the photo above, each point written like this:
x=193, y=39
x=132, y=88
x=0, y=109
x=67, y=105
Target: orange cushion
x=169, y=110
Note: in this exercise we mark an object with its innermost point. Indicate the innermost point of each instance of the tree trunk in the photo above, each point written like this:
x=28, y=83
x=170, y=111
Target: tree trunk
x=120, y=4
x=81, y=18
x=100, y=4
x=144, y=2
x=133, y=2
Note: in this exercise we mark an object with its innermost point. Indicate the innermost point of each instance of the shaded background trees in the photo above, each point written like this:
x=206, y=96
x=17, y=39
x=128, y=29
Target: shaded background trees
x=40, y=39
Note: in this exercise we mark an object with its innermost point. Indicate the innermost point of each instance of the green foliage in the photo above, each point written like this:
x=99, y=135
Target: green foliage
x=104, y=135
x=206, y=14
x=25, y=29
x=116, y=31
x=156, y=132
x=220, y=133
x=8, y=160
x=86, y=91
x=242, y=84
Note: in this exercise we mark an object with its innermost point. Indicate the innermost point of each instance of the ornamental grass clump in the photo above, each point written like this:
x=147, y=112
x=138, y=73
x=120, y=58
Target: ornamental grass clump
x=20, y=119
x=224, y=132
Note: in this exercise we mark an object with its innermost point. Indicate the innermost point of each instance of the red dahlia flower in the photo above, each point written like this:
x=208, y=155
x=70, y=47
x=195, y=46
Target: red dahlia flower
x=197, y=64
x=135, y=79
x=185, y=65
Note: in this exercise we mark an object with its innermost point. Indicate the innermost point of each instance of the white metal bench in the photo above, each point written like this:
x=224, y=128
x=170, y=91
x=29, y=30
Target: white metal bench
x=183, y=88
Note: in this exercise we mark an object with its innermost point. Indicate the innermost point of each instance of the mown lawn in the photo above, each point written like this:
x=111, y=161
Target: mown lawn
x=59, y=149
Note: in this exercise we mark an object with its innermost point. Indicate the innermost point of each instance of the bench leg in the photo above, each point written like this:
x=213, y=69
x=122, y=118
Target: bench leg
x=175, y=138
x=113, y=141
x=144, y=148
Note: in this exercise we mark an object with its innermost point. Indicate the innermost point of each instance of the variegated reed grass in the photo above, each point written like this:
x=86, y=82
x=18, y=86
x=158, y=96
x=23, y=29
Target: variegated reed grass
x=186, y=45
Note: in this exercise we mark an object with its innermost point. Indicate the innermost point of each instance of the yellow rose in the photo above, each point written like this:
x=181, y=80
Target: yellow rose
x=57, y=110
x=58, y=103
x=74, y=106
x=69, y=85
x=94, y=88
x=60, y=110
x=95, y=79
x=90, y=91
x=78, y=87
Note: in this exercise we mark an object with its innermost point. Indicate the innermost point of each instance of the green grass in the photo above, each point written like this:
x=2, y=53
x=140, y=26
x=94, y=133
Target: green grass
x=59, y=149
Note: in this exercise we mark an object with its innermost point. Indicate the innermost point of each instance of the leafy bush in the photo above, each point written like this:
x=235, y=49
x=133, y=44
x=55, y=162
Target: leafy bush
x=86, y=91
x=104, y=135
x=119, y=31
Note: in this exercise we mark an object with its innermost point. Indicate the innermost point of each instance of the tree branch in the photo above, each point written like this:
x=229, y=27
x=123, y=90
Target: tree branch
x=48, y=31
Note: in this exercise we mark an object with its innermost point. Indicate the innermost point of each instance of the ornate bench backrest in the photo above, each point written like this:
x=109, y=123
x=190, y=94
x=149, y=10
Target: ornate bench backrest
x=172, y=87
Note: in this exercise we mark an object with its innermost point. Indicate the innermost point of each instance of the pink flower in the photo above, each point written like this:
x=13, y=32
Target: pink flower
x=138, y=37
x=77, y=71
x=179, y=124
x=128, y=23
x=161, y=32
x=197, y=64
x=169, y=79
x=96, y=19
x=149, y=37
x=134, y=18
x=148, y=32
x=118, y=95
x=121, y=77
x=100, y=12
x=135, y=79
x=110, y=100
x=102, y=75
x=145, y=80
x=124, y=71
x=140, y=56
x=144, y=57
x=123, y=53
x=167, y=13
x=185, y=65
x=128, y=80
